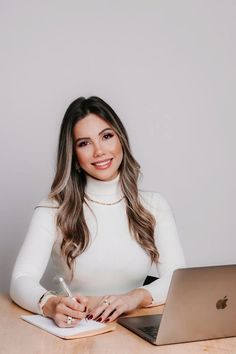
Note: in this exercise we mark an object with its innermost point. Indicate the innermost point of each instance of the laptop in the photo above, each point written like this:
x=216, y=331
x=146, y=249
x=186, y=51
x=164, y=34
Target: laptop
x=201, y=305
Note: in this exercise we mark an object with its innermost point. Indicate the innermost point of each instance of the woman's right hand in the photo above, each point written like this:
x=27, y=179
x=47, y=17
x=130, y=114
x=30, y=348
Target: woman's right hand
x=59, y=308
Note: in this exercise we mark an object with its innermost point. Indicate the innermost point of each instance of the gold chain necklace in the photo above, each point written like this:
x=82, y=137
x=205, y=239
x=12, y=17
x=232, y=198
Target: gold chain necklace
x=103, y=203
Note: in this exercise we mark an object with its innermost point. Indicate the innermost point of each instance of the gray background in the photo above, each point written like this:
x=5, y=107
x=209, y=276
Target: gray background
x=166, y=67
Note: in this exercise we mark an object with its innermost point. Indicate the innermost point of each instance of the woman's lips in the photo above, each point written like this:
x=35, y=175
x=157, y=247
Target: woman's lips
x=102, y=165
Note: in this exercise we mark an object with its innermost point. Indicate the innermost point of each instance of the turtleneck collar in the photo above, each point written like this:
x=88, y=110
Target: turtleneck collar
x=104, y=191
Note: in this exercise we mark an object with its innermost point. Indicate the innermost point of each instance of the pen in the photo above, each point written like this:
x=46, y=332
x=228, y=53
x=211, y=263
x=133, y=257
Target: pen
x=66, y=289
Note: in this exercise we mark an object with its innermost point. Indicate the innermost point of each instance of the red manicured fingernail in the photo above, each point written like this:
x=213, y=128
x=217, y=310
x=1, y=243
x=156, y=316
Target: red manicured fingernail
x=89, y=317
x=107, y=320
x=99, y=319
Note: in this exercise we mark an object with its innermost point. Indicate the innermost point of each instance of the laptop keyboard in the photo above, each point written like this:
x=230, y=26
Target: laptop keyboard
x=150, y=330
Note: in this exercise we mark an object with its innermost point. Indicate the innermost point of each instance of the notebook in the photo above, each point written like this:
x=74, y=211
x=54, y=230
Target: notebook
x=201, y=305
x=85, y=328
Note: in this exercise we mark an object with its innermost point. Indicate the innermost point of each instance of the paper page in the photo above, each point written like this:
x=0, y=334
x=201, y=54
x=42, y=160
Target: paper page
x=49, y=325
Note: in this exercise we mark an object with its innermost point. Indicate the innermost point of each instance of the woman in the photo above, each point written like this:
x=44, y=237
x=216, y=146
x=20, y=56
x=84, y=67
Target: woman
x=102, y=233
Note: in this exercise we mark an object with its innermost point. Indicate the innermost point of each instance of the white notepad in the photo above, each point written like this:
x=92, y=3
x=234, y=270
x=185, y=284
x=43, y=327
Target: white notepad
x=85, y=327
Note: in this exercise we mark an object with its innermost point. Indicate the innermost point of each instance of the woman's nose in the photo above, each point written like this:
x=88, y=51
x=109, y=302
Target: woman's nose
x=98, y=151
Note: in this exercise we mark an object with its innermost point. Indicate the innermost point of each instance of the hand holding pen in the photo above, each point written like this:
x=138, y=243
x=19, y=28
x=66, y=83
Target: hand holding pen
x=66, y=311
x=80, y=303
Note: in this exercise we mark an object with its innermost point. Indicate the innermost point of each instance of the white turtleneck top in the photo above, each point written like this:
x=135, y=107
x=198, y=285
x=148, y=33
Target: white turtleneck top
x=113, y=263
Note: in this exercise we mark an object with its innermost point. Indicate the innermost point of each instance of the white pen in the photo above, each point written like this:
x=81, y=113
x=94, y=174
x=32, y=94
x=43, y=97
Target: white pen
x=66, y=289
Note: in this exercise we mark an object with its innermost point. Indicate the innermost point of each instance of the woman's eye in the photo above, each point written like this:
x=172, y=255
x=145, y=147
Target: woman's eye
x=83, y=143
x=108, y=136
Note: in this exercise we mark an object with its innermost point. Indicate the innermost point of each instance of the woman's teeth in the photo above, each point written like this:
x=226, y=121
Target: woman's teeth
x=104, y=163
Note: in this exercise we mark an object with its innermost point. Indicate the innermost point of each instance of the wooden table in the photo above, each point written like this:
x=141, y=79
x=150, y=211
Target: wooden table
x=19, y=337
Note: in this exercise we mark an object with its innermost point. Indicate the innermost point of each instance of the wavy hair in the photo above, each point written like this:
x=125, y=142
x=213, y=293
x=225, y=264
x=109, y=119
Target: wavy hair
x=68, y=187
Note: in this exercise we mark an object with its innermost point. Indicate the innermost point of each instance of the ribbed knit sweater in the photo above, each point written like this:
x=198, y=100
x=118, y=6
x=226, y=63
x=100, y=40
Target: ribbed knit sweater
x=113, y=263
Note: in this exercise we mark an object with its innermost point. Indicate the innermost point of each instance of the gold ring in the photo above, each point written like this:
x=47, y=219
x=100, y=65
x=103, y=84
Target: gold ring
x=69, y=320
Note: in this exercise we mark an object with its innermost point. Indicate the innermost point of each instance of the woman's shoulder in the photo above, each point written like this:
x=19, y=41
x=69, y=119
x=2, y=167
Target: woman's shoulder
x=45, y=211
x=154, y=200
x=47, y=203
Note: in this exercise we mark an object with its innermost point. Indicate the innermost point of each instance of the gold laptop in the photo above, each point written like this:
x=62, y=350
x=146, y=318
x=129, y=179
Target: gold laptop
x=201, y=305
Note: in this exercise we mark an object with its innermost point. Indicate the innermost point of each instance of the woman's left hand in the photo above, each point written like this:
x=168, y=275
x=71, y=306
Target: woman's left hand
x=112, y=306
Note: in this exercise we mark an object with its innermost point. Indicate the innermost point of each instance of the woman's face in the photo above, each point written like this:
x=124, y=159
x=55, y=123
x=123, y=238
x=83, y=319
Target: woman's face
x=97, y=147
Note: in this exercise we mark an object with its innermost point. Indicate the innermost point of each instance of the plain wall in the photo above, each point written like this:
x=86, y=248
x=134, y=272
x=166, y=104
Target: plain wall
x=166, y=67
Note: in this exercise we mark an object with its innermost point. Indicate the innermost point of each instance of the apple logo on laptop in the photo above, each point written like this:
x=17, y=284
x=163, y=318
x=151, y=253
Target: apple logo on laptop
x=222, y=303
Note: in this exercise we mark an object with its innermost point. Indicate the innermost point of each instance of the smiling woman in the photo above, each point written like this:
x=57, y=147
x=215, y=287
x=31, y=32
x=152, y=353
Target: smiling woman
x=97, y=147
x=102, y=232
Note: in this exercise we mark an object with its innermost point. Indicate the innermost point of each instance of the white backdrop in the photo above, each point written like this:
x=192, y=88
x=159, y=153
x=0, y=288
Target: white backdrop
x=166, y=67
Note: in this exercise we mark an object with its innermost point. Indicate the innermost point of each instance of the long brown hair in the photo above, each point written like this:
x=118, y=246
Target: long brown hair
x=68, y=187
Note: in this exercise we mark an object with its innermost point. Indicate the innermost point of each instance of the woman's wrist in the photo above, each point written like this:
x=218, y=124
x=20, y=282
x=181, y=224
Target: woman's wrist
x=144, y=297
x=44, y=298
x=49, y=307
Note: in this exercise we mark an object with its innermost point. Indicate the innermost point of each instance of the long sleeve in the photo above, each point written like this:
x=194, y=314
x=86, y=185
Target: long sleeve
x=94, y=274
x=169, y=248
x=32, y=259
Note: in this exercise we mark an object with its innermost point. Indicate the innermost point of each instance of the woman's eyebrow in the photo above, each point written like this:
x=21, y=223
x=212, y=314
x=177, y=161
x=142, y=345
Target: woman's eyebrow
x=101, y=132
x=105, y=130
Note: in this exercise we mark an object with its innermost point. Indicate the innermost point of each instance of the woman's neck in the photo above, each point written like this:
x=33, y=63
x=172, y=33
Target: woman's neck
x=103, y=191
